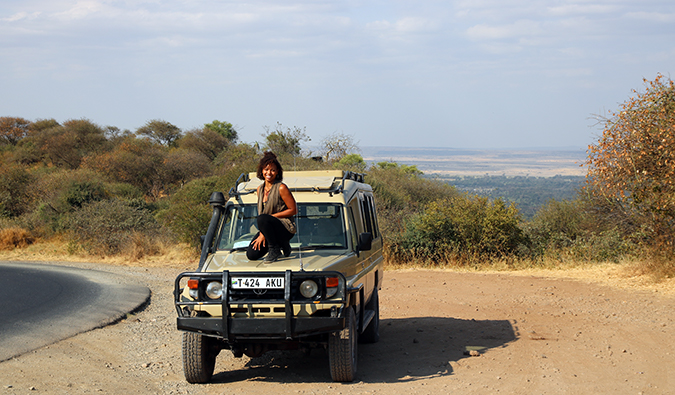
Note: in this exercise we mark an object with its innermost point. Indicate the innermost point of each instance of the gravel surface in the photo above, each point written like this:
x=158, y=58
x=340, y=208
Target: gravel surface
x=441, y=332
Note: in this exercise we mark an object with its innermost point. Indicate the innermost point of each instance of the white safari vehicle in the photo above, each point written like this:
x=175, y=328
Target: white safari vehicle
x=324, y=295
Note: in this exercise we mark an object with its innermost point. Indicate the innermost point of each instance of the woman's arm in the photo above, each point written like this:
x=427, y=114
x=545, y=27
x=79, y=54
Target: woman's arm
x=288, y=198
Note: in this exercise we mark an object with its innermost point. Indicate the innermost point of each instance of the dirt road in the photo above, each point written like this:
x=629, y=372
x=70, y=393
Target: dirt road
x=533, y=336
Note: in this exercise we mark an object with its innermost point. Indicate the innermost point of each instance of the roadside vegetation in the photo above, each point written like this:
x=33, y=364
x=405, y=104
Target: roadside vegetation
x=529, y=193
x=101, y=191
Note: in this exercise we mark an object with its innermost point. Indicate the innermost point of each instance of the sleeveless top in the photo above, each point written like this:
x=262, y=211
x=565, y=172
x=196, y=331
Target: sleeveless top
x=274, y=204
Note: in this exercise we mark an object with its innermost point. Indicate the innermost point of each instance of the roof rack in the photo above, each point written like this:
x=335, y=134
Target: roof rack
x=325, y=178
x=243, y=177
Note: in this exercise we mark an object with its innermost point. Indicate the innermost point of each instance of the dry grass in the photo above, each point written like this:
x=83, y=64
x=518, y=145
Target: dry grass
x=177, y=255
x=629, y=274
x=12, y=238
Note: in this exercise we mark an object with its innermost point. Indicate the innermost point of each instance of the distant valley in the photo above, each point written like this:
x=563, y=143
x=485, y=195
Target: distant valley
x=529, y=177
x=446, y=162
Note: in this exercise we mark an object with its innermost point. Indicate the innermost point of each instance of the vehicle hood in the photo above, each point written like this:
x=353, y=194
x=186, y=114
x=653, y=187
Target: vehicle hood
x=311, y=260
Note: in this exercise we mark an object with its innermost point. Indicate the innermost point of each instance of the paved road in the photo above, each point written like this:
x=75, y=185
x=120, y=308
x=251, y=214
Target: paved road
x=41, y=304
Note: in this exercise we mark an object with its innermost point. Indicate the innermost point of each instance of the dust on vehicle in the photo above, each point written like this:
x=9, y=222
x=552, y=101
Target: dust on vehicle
x=325, y=294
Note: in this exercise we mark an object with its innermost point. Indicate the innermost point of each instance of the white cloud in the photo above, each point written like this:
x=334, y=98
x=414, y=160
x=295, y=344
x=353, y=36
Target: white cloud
x=517, y=29
x=21, y=16
x=82, y=9
x=583, y=9
x=652, y=16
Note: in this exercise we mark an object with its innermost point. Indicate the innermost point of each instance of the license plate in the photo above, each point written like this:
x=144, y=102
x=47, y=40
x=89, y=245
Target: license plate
x=257, y=283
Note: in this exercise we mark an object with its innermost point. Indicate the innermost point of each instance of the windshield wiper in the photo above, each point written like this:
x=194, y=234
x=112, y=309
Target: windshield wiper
x=321, y=247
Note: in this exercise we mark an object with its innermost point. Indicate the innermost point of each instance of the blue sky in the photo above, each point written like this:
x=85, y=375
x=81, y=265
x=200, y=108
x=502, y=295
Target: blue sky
x=461, y=74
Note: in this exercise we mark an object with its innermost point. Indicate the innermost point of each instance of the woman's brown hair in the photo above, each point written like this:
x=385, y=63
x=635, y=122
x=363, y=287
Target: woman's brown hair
x=267, y=159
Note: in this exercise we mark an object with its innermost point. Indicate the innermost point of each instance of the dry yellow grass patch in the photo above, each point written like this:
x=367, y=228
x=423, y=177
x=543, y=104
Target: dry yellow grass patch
x=11, y=238
x=625, y=275
x=172, y=256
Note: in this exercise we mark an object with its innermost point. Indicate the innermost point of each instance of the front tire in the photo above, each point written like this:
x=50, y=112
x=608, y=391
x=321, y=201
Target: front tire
x=199, y=357
x=342, y=350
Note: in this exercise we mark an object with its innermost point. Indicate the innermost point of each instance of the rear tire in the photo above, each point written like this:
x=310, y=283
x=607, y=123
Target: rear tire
x=342, y=350
x=372, y=332
x=199, y=357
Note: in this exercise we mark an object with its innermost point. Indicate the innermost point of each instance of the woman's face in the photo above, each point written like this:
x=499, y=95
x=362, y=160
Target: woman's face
x=269, y=173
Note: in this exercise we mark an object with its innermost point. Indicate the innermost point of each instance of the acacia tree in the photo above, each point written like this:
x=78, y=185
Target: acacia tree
x=13, y=129
x=632, y=166
x=224, y=129
x=338, y=145
x=285, y=140
x=205, y=140
x=67, y=145
x=159, y=131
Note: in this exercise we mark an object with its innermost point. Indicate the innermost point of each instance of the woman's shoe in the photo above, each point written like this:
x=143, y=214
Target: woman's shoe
x=273, y=255
x=286, y=249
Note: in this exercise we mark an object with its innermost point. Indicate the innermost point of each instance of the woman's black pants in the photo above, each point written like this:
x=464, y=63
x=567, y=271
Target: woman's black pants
x=276, y=236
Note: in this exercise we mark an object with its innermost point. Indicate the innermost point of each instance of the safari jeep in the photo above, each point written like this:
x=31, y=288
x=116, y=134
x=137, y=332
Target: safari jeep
x=325, y=294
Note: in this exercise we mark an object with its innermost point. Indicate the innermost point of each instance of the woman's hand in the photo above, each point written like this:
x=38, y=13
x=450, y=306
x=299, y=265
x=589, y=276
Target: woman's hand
x=259, y=241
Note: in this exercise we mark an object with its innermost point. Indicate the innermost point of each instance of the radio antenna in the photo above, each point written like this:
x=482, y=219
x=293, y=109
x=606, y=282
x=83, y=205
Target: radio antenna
x=297, y=229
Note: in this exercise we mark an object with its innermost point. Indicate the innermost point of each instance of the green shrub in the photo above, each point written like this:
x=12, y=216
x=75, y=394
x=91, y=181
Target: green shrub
x=556, y=225
x=461, y=228
x=78, y=193
x=606, y=246
x=188, y=212
x=14, y=190
x=400, y=194
x=353, y=162
x=578, y=230
x=124, y=191
x=108, y=227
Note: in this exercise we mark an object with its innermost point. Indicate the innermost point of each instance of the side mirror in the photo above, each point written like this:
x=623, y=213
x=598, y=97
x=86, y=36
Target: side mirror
x=365, y=241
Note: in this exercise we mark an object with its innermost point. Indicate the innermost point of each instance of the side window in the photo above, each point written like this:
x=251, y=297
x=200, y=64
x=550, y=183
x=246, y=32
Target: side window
x=353, y=231
x=373, y=217
x=368, y=214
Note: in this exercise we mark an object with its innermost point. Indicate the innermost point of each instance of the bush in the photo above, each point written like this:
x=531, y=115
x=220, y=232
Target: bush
x=109, y=227
x=14, y=190
x=400, y=194
x=462, y=228
x=556, y=225
x=188, y=214
x=11, y=238
x=578, y=230
x=353, y=162
x=78, y=193
x=631, y=166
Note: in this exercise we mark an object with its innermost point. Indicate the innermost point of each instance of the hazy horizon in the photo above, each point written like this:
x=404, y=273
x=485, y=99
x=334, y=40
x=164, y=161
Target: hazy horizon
x=476, y=162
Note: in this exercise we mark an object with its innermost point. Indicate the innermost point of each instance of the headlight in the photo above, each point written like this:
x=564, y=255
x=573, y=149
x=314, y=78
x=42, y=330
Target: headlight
x=214, y=290
x=308, y=288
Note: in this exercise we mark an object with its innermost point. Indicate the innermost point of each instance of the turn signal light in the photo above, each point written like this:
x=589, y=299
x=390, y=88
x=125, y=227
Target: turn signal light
x=193, y=283
x=332, y=282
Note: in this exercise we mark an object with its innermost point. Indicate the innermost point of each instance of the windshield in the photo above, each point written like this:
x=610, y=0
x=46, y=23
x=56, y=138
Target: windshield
x=318, y=225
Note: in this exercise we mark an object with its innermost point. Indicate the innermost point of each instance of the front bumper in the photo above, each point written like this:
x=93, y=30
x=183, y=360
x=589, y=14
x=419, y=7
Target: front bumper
x=232, y=327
